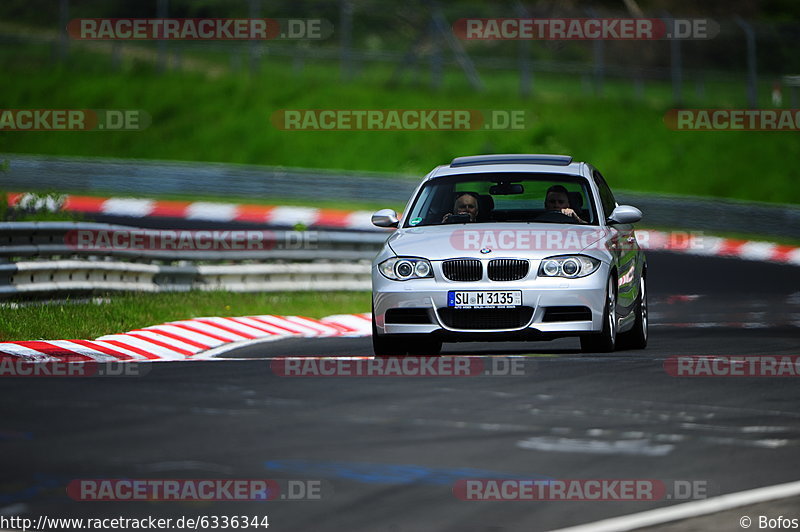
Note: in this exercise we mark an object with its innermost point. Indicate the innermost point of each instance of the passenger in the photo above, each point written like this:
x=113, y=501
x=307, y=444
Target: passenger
x=466, y=203
x=557, y=199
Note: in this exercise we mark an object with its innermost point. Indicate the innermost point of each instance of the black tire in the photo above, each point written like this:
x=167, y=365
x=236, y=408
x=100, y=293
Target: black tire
x=426, y=346
x=393, y=345
x=606, y=340
x=382, y=345
x=636, y=338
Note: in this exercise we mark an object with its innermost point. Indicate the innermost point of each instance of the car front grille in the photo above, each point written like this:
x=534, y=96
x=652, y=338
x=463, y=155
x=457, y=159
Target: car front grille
x=508, y=269
x=486, y=318
x=462, y=269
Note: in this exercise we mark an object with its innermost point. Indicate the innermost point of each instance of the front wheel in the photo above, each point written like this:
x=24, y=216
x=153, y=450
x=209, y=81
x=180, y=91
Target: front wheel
x=636, y=338
x=606, y=340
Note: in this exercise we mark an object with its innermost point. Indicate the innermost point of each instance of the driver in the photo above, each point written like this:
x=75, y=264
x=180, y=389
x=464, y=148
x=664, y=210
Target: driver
x=557, y=199
x=466, y=203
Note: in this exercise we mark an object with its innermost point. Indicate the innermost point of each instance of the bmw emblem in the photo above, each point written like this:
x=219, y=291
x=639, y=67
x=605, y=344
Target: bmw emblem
x=486, y=250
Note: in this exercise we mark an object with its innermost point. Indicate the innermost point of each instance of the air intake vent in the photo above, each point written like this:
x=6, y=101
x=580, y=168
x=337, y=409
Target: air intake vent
x=462, y=269
x=508, y=269
x=483, y=319
x=407, y=315
x=567, y=314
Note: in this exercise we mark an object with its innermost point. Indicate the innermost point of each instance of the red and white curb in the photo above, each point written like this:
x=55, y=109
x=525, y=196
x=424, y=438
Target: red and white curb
x=275, y=215
x=690, y=243
x=195, y=339
x=696, y=243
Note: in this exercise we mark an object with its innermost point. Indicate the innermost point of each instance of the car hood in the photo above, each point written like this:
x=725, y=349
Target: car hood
x=530, y=241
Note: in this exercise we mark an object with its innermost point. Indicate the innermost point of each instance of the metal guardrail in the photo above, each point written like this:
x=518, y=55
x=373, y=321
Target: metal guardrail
x=338, y=261
x=715, y=214
x=47, y=239
x=27, y=172
x=76, y=276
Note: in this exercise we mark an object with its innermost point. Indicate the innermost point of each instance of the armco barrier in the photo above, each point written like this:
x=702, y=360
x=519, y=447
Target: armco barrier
x=47, y=239
x=35, y=259
x=74, y=276
x=339, y=261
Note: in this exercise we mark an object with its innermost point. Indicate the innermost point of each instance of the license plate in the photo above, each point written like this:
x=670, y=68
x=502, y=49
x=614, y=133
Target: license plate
x=476, y=299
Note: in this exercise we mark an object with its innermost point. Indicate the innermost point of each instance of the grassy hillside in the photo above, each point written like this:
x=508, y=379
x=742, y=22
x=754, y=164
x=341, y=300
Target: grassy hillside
x=227, y=118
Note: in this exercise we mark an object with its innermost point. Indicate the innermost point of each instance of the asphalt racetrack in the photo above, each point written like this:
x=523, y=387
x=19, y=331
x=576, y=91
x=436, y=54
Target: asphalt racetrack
x=384, y=453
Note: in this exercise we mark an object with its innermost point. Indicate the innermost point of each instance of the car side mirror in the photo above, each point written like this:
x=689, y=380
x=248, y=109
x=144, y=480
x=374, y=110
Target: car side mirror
x=385, y=218
x=625, y=214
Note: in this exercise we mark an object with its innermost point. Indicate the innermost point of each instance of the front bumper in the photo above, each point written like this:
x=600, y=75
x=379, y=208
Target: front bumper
x=538, y=293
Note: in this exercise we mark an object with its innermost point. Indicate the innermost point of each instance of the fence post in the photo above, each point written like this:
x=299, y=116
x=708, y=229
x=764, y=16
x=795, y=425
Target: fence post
x=750, y=39
x=116, y=55
x=63, y=20
x=298, y=59
x=525, y=75
x=700, y=88
x=599, y=65
x=598, y=53
x=675, y=64
x=255, y=12
x=436, y=57
x=346, y=39
x=162, y=8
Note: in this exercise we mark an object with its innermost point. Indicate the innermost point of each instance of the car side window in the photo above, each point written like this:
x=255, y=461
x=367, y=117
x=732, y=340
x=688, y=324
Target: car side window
x=606, y=197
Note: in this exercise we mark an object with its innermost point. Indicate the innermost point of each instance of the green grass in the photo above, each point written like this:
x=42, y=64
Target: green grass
x=227, y=119
x=123, y=312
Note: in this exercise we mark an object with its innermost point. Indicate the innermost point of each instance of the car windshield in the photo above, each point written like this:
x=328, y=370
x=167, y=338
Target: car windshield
x=503, y=197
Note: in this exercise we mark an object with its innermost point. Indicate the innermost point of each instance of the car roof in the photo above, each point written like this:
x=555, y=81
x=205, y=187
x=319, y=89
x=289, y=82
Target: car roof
x=511, y=163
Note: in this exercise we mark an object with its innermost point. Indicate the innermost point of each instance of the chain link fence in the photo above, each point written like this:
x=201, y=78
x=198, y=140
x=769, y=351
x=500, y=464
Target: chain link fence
x=414, y=42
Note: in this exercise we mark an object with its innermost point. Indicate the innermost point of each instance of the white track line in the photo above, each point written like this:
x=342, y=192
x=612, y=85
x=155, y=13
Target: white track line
x=688, y=510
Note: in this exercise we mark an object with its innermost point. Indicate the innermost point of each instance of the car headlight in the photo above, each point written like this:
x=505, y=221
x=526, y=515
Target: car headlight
x=570, y=266
x=405, y=268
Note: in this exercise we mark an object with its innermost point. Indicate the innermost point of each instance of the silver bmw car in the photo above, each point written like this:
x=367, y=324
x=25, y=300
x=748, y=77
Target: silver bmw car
x=509, y=247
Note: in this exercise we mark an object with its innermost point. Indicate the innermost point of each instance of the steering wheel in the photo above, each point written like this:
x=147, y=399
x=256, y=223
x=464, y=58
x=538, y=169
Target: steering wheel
x=458, y=219
x=555, y=217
